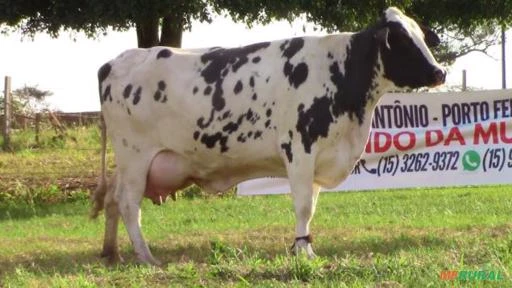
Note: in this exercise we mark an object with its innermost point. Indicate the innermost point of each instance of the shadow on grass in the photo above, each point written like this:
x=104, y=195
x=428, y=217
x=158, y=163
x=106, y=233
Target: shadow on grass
x=203, y=252
x=200, y=252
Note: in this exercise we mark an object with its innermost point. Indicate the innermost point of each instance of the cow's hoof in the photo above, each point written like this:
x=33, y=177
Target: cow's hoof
x=303, y=245
x=306, y=249
x=149, y=261
x=112, y=257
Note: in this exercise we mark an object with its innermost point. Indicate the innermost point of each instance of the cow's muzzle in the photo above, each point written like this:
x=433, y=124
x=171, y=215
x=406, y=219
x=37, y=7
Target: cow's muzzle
x=439, y=76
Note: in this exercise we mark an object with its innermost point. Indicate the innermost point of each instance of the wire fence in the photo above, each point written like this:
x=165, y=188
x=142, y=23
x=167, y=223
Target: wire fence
x=52, y=149
x=47, y=148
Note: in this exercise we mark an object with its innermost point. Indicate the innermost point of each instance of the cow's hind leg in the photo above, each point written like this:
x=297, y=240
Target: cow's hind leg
x=305, y=195
x=130, y=195
x=110, y=247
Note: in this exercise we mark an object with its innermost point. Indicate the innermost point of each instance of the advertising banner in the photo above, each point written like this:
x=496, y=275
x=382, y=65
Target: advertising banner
x=428, y=140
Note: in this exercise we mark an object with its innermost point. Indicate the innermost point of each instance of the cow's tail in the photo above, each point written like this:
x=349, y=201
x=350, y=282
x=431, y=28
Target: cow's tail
x=98, y=197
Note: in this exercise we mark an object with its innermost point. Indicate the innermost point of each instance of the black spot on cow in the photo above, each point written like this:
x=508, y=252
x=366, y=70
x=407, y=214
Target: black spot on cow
x=207, y=90
x=290, y=133
x=129, y=111
x=296, y=74
x=136, y=95
x=251, y=81
x=196, y=135
x=107, y=94
x=315, y=121
x=240, y=119
x=104, y=71
x=249, y=134
x=200, y=122
x=254, y=97
x=218, y=102
x=161, y=85
x=241, y=138
x=291, y=47
x=230, y=127
x=268, y=79
x=287, y=147
x=164, y=53
x=225, y=72
x=238, y=87
x=226, y=115
x=160, y=92
x=348, y=98
x=210, y=141
x=127, y=91
x=269, y=112
x=222, y=59
x=157, y=95
x=194, y=91
x=256, y=59
x=254, y=118
x=329, y=55
x=249, y=114
x=267, y=123
x=258, y=134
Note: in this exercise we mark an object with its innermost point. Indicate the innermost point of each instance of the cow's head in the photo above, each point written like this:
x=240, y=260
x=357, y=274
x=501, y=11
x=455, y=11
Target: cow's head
x=405, y=53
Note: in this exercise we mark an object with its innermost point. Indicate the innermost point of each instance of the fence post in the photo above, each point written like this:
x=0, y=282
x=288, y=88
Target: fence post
x=7, y=113
x=464, y=84
x=38, y=120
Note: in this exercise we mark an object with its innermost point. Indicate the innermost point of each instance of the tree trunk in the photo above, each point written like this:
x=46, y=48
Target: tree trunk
x=147, y=32
x=171, y=32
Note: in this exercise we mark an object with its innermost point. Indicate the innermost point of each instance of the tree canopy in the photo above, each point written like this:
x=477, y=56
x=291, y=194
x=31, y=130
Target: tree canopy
x=468, y=25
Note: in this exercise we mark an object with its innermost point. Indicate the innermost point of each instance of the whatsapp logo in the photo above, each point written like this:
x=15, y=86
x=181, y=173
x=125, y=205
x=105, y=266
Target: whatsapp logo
x=471, y=160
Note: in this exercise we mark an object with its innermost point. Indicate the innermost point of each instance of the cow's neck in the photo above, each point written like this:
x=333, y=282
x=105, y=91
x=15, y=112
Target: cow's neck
x=361, y=83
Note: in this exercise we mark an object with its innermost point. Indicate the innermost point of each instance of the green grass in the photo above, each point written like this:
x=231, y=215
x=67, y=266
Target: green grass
x=402, y=238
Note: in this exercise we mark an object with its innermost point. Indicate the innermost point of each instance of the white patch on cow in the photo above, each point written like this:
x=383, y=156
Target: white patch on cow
x=414, y=31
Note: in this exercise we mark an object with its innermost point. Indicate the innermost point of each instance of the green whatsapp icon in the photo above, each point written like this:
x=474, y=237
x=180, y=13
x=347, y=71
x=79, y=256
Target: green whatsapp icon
x=471, y=160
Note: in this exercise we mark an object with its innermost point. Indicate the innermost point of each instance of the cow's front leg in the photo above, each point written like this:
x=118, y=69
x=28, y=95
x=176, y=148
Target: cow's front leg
x=305, y=195
x=130, y=197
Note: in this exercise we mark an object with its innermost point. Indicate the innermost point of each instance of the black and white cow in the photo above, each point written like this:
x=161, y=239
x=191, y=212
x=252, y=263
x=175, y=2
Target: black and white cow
x=299, y=108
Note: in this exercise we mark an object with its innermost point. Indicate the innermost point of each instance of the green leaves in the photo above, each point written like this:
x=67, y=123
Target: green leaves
x=93, y=17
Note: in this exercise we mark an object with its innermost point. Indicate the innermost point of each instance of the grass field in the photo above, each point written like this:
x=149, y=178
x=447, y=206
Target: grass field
x=378, y=239
x=394, y=238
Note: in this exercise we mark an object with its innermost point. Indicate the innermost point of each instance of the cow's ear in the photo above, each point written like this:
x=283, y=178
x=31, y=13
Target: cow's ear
x=382, y=36
x=431, y=38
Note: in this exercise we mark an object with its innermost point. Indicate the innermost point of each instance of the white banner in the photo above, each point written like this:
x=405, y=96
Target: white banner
x=428, y=140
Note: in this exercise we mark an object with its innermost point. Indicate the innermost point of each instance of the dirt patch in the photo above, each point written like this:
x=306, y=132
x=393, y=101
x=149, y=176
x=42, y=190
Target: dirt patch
x=62, y=183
